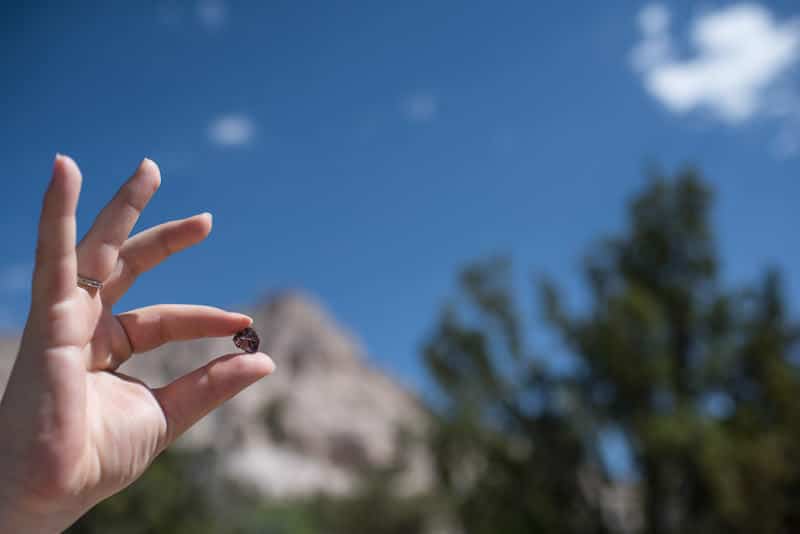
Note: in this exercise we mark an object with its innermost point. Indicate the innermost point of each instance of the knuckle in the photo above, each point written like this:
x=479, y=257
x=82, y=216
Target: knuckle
x=165, y=245
x=121, y=345
x=131, y=266
x=131, y=197
x=59, y=313
x=137, y=192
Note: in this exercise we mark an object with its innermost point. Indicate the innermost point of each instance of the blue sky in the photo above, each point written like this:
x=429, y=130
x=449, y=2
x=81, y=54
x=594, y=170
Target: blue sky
x=365, y=151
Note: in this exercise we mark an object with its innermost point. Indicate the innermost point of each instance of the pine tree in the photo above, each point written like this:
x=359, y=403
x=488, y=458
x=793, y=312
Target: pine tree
x=701, y=382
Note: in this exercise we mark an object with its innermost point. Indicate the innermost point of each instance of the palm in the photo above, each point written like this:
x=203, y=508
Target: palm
x=89, y=430
x=109, y=455
x=122, y=451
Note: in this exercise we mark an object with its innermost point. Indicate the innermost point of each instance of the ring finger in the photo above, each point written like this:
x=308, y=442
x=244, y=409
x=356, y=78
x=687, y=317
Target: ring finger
x=99, y=249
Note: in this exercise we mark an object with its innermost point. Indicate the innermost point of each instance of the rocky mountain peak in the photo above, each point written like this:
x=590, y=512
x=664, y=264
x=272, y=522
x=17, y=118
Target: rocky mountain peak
x=323, y=415
x=299, y=332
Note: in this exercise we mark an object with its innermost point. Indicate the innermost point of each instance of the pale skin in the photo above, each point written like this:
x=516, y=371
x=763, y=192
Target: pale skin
x=74, y=430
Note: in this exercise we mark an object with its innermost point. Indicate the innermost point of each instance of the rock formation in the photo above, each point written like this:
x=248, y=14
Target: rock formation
x=309, y=427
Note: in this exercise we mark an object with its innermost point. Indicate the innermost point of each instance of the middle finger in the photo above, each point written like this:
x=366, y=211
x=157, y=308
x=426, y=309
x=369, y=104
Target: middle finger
x=150, y=247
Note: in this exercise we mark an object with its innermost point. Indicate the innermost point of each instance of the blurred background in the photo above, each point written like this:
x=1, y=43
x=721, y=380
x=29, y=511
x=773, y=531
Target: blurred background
x=523, y=267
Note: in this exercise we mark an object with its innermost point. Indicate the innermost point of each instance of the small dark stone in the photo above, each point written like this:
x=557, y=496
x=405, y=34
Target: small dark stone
x=247, y=340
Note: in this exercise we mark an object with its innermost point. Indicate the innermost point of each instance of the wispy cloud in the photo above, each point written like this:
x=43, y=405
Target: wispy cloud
x=231, y=130
x=742, y=61
x=212, y=13
x=15, y=278
x=419, y=107
x=655, y=48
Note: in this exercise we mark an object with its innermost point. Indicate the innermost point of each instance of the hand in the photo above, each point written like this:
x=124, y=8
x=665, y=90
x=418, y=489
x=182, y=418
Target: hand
x=75, y=431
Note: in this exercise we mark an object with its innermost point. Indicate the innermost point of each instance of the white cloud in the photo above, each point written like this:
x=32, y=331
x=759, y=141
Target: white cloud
x=15, y=278
x=741, y=56
x=654, y=19
x=420, y=107
x=655, y=47
x=212, y=13
x=231, y=130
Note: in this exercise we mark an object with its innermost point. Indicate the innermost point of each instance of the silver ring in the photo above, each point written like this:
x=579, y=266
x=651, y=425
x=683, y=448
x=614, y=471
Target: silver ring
x=89, y=283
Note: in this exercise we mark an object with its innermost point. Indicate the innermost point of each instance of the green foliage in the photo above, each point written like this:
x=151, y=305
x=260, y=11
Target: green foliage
x=507, y=441
x=701, y=382
x=183, y=493
x=518, y=447
x=170, y=497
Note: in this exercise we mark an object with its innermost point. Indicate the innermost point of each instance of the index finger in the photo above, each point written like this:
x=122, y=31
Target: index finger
x=147, y=328
x=153, y=326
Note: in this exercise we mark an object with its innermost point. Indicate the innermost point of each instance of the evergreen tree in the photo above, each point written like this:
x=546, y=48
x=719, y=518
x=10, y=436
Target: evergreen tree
x=698, y=380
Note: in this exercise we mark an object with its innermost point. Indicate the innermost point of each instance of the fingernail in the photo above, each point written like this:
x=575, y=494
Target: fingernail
x=209, y=215
x=147, y=161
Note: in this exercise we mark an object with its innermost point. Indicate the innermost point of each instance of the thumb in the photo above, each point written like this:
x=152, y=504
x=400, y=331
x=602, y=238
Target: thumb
x=191, y=397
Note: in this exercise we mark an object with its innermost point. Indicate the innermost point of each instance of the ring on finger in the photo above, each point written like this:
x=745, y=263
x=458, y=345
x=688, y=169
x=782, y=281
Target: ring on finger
x=89, y=283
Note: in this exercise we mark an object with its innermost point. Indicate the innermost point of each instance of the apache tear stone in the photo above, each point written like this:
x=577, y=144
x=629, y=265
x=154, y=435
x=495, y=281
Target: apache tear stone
x=247, y=340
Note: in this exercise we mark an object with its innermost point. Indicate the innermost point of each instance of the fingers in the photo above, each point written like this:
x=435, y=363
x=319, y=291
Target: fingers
x=191, y=397
x=147, y=249
x=55, y=274
x=147, y=328
x=97, y=252
x=151, y=327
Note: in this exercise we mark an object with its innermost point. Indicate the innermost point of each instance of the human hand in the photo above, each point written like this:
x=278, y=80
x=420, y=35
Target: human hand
x=74, y=430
